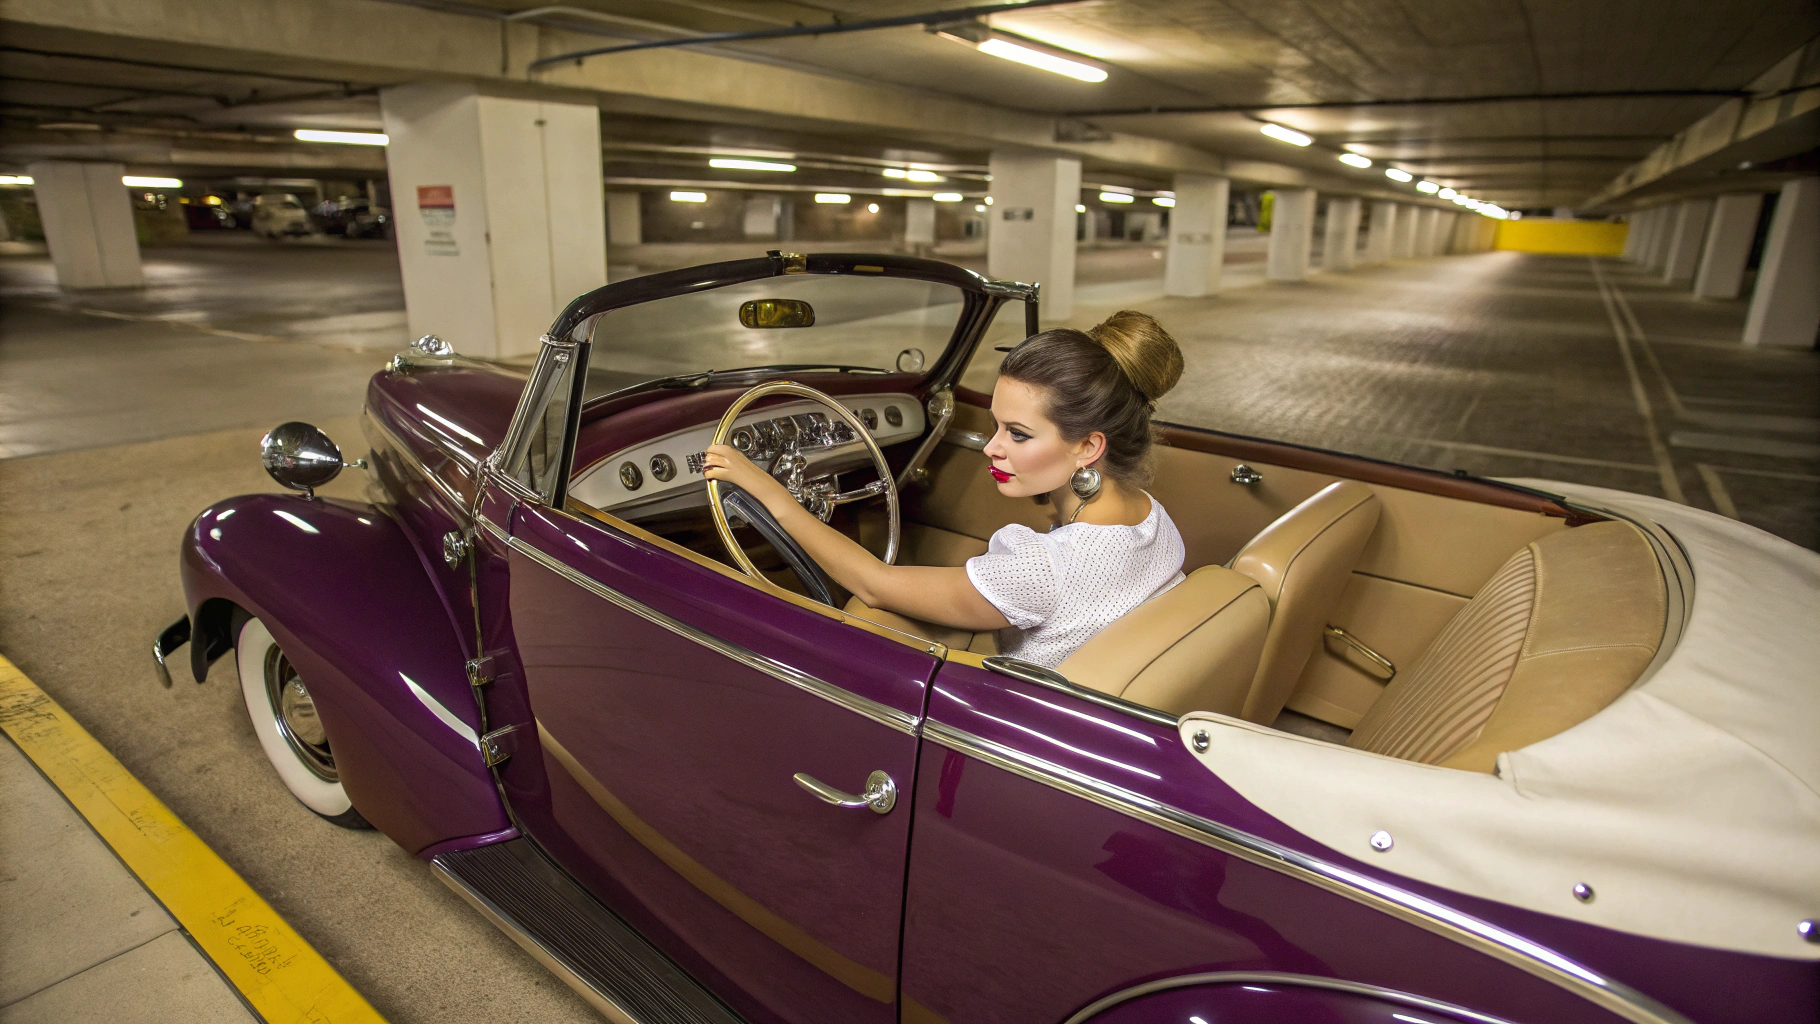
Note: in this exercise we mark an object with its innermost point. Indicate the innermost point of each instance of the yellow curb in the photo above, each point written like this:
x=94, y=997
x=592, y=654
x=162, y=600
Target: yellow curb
x=280, y=975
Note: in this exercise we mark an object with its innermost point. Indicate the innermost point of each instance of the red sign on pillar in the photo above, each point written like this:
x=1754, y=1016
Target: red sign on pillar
x=436, y=203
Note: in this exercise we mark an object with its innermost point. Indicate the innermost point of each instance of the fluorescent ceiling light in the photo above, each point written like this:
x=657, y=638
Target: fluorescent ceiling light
x=727, y=163
x=135, y=181
x=1427, y=187
x=1460, y=200
x=979, y=207
x=916, y=175
x=947, y=197
x=896, y=172
x=1396, y=174
x=987, y=200
x=1164, y=201
x=1447, y=193
x=1282, y=134
x=1080, y=208
x=345, y=138
x=1355, y=160
x=871, y=207
x=15, y=179
x=1046, y=61
x=688, y=197
x=1116, y=197
x=833, y=198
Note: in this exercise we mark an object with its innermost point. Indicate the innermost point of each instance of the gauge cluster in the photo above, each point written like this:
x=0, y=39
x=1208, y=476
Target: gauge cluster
x=666, y=473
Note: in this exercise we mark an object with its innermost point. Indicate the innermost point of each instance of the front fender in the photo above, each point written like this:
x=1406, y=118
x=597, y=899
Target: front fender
x=341, y=588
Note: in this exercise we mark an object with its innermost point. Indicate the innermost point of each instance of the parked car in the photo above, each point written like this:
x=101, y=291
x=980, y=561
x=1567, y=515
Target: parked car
x=205, y=216
x=629, y=721
x=276, y=215
x=353, y=217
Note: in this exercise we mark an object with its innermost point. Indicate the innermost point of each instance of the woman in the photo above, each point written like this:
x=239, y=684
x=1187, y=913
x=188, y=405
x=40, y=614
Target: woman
x=1073, y=412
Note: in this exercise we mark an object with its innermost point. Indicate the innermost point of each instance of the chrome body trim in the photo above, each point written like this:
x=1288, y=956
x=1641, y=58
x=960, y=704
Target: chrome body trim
x=1281, y=978
x=600, y=1001
x=1048, y=677
x=1420, y=911
x=940, y=408
x=880, y=713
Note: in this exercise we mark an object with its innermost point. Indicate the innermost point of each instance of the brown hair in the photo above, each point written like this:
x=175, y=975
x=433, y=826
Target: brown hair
x=1107, y=379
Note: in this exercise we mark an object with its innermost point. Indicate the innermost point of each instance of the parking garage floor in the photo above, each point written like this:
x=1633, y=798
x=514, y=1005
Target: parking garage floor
x=122, y=416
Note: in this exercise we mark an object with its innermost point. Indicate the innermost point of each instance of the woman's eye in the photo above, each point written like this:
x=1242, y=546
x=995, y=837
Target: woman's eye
x=1018, y=435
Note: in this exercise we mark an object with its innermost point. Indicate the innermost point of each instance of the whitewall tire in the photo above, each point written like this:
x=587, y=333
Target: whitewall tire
x=284, y=717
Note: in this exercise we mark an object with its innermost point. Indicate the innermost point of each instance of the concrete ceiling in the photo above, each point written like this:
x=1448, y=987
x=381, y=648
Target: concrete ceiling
x=1201, y=74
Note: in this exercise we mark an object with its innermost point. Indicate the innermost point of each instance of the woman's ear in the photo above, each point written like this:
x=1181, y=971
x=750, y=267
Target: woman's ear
x=1088, y=450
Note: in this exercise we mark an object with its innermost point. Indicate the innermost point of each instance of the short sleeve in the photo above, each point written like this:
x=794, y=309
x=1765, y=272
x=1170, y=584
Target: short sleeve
x=1017, y=576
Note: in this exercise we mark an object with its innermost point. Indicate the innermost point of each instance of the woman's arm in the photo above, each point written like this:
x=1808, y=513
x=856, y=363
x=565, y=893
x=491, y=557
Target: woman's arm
x=938, y=594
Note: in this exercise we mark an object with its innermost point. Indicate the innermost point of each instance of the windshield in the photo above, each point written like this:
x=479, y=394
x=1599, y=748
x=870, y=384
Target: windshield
x=860, y=322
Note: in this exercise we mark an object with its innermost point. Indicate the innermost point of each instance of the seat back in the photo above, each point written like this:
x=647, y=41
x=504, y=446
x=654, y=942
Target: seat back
x=1303, y=562
x=1194, y=647
x=1564, y=628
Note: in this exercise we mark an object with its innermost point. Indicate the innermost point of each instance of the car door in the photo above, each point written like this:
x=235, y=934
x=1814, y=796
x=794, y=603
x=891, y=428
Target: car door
x=665, y=710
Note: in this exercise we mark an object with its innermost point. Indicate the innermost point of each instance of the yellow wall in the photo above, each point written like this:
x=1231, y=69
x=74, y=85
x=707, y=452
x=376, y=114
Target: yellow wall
x=1579, y=237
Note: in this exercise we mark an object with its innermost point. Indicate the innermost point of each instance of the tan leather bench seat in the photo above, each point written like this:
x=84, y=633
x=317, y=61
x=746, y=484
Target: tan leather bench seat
x=1564, y=628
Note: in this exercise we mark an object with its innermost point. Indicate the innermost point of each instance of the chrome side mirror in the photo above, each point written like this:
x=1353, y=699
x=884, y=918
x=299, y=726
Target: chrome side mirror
x=301, y=457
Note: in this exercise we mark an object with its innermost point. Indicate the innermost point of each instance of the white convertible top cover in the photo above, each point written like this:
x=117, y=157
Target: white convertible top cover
x=1690, y=805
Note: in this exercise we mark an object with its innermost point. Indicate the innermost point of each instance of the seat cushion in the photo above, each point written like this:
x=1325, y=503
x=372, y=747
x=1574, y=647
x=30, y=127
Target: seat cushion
x=1564, y=628
x=1193, y=647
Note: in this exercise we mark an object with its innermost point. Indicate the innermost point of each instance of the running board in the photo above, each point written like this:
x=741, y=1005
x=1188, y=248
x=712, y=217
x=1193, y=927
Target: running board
x=595, y=953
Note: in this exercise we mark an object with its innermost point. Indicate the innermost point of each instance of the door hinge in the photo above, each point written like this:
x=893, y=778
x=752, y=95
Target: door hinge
x=481, y=670
x=498, y=746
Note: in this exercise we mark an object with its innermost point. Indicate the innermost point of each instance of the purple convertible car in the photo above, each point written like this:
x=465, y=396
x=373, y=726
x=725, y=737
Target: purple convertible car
x=1406, y=746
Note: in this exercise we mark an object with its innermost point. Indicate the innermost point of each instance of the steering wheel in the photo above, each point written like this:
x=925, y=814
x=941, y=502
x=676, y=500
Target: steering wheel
x=818, y=496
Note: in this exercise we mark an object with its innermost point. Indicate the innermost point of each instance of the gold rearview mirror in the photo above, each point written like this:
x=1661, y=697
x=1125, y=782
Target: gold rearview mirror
x=769, y=313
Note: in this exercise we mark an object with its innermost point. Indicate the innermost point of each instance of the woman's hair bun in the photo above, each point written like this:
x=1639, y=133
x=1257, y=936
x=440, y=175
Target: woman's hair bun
x=1149, y=356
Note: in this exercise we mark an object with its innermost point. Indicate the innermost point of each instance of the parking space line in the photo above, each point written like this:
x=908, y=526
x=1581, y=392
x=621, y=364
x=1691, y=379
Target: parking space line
x=276, y=971
x=1722, y=498
x=1671, y=482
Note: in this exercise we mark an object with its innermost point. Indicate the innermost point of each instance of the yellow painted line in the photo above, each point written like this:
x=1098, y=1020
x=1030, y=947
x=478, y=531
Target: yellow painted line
x=279, y=974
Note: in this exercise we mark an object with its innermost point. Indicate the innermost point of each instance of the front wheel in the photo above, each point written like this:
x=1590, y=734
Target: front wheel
x=284, y=716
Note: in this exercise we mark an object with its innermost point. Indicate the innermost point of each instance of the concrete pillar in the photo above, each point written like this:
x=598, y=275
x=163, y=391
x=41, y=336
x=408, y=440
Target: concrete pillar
x=1785, y=307
x=1291, y=234
x=1662, y=232
x=625, y=222
x=1644, y=224
x=1424, y=243
x=761, y=216
x=88, y=224
x=500, y=215
x=1383, y=227
x=1682, y=257
x=1341, y=243
x=1633, y=229
x=919, y=221
x=1403, y=241
x=1197, y=236
x=1728, y=239
x=1032, y=233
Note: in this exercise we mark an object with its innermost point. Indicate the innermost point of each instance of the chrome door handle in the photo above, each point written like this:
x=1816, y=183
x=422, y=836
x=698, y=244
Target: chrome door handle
x=880, y=794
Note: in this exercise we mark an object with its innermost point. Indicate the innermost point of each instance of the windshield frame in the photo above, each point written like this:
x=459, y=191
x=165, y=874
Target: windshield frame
x=981, y=298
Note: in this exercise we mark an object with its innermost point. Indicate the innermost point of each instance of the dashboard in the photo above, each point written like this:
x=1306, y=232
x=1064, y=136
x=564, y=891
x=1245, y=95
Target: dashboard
x=664, y=474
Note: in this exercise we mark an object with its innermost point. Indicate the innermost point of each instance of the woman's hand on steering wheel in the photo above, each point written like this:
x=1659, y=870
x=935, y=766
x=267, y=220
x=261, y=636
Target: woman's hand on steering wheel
x=729, y=465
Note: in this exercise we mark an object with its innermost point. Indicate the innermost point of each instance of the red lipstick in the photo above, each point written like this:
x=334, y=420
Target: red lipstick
x=998, y=474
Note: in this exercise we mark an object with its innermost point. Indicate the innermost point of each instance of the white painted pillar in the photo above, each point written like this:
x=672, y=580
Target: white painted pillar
x=1403, y=242
x=1662, y=232
x=1197, y=236
x=761, y=216
x=1291, y=234
x=1785, y=307
x=625, y=221
x=88, y=224
x=919, y=221
x=1378, y=238
x=1642, y=226
x=1728, y=240
x=499, y=212
x=1682, y=257
x=1032, y=233
x=1633, y=234
x=1425, y=231
x=1341, y=242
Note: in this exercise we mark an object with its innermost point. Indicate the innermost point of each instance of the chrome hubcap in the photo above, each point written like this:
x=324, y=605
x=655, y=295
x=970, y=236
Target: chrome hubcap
x=295, y=713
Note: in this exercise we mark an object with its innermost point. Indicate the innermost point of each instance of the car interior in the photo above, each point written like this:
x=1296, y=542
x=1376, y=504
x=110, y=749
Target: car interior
x=1427, y=617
